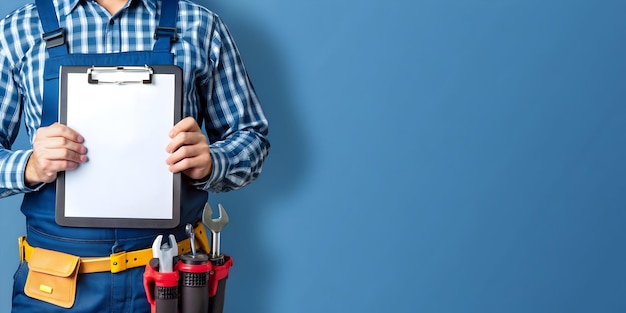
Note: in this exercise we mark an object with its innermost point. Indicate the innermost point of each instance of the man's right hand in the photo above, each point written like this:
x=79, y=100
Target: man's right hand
x=56, y=148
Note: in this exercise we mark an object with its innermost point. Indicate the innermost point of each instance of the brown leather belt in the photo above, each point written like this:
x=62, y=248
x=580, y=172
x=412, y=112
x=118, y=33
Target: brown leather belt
x=124, y=260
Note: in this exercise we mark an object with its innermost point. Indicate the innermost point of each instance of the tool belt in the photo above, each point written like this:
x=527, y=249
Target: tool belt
x=52, y=275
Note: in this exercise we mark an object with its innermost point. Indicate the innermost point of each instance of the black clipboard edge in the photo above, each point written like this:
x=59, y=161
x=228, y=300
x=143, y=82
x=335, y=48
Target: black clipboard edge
x=94, y=222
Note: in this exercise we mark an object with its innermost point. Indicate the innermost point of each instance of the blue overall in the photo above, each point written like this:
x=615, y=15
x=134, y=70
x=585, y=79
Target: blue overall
x=96, y=292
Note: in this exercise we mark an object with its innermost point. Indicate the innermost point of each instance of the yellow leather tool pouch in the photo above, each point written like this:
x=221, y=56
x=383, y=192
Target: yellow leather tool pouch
x=52, y=277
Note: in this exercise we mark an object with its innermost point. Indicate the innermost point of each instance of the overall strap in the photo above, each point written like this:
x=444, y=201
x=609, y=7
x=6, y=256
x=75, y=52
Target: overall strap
x=53, y=34
x=166, y=33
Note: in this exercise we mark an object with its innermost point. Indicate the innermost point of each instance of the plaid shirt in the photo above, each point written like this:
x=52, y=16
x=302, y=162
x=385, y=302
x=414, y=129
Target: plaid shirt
x=216, y=84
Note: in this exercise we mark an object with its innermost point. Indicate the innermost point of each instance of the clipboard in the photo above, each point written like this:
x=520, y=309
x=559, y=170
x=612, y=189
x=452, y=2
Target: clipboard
x=125, y=114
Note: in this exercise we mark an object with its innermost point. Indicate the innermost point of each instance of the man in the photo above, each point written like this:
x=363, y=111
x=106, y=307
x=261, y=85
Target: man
x=38, y=38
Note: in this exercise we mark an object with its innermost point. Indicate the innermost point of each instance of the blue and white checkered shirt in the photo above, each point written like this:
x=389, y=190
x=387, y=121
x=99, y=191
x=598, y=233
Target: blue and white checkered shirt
x=215, y=81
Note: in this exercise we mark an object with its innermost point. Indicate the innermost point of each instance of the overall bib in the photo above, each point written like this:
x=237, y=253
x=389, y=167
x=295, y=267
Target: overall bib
x=97, y=292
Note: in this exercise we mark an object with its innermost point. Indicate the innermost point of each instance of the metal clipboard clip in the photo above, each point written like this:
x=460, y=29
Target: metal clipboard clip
x=120, y=75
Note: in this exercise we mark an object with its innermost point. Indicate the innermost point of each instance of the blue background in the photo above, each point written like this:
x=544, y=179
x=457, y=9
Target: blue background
x=427, y=156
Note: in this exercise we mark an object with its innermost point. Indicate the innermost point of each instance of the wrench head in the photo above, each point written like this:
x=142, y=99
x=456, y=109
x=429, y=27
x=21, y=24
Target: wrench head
x=165, y=252
x=214, y=224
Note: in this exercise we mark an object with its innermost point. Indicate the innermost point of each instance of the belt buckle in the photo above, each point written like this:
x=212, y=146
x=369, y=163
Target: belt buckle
x=118, y=262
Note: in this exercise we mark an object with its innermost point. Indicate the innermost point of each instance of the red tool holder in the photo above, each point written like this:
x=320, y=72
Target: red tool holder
x=219, y=273
x=161, y=288
x=158, y=285
x=217, y=282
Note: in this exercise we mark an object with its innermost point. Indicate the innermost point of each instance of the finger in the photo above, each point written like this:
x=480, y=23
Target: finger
x=66, y=155
x=60, y=130
x=195, y=168
x=186, y=152
x=184, y=139
x=194, y=161
x=59, y=143
x=50, y=156
x=54, y=166
x=187, y=124
x=181, y=165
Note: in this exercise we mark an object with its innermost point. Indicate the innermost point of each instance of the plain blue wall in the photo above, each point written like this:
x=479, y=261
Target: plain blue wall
x=427, y=156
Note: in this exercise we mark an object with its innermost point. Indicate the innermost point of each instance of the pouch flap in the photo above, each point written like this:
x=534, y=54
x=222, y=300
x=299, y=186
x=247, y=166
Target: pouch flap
x=53, y=262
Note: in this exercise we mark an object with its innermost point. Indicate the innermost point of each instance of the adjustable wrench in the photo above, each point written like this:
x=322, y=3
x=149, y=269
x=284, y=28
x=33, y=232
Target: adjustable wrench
x=215, y=226
x=221, y=263
x=165, y=252
x=164, y=296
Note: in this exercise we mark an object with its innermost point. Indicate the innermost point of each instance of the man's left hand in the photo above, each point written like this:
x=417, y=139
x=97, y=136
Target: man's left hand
x=189, y=150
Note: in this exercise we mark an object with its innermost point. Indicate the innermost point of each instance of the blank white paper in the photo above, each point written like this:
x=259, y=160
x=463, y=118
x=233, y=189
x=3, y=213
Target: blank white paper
x=125, y=127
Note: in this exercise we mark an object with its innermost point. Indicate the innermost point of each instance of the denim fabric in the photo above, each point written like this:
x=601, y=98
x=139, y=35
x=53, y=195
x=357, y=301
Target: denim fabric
x=96, y=292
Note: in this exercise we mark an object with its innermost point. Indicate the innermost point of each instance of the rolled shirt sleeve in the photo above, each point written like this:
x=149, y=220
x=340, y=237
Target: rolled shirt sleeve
x=235, y=122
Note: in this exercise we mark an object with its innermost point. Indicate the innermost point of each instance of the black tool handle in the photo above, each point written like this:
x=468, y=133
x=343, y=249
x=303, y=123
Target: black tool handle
x=194, y=280
x=166, y=299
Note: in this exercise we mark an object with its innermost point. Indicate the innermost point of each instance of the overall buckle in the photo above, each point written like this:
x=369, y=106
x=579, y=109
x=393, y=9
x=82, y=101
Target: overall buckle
x=167, y=32
x=54, y=38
